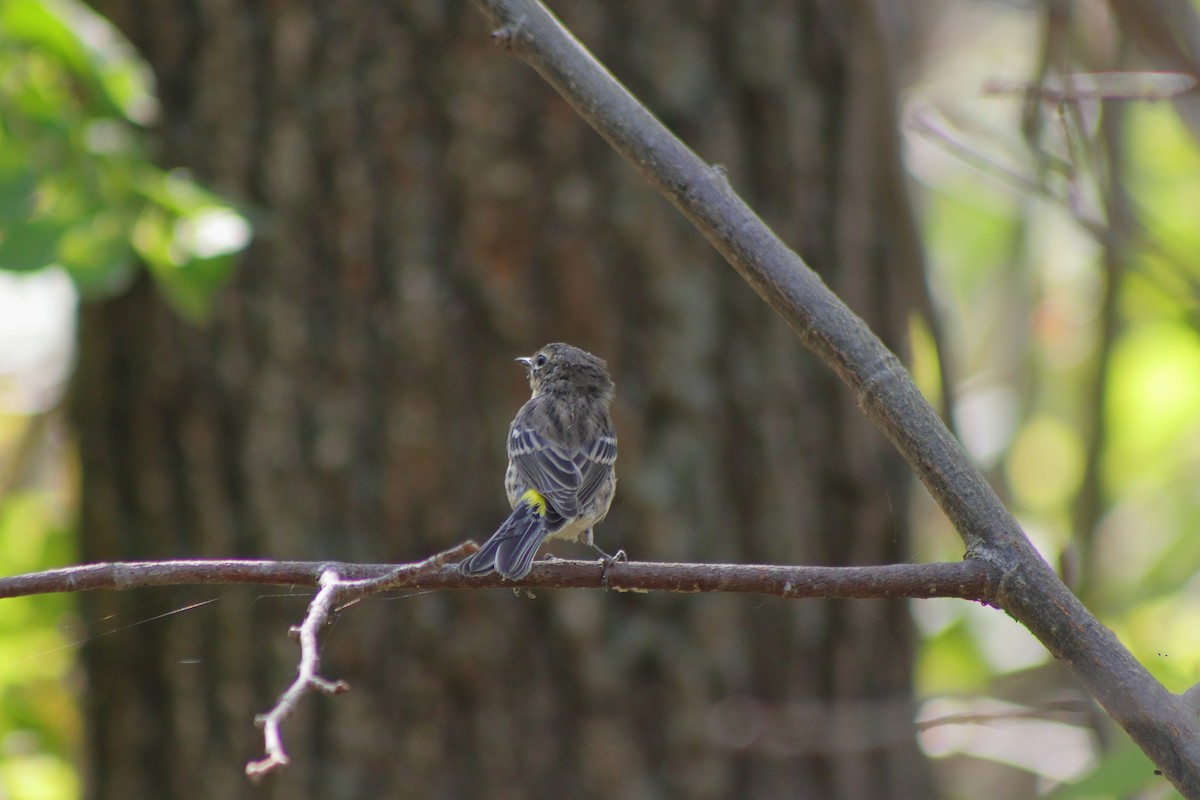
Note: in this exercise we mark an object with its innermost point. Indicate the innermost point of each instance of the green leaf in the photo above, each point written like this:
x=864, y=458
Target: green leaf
x=76, y=186
x=33, y=23
x=17, y=185
x=31, y=246
x=98, y=255
x=191, y=286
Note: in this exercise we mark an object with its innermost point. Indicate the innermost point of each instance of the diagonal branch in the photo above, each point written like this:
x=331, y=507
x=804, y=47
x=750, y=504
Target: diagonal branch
x=1158, y=721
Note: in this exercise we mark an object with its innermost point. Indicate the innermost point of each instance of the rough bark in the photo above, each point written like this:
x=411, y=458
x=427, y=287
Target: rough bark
x=426, y=210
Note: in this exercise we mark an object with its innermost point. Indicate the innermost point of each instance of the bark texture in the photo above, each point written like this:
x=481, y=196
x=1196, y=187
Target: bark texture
x=426, y=210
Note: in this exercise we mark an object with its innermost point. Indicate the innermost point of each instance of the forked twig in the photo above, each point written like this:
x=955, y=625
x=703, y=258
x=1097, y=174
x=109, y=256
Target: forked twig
x=307, y=679
x=334, y=594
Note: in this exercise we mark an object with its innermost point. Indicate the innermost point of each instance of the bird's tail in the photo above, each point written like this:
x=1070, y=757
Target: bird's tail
x=511, y=549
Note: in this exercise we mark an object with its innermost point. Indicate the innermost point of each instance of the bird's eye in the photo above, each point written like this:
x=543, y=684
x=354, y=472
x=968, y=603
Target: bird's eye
x=540, y=361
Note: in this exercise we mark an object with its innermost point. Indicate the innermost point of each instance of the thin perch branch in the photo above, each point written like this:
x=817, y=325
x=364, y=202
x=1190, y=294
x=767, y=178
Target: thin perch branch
x=963, y=579
x=341, y=584
x=968, y=580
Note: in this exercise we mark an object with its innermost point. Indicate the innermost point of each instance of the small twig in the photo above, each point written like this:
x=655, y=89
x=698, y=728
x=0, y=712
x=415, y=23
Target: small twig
x=335, y=593
x=928, y=123
x=307, y=679
x=931, y=124
x=1049, y=710
x=1077, y=86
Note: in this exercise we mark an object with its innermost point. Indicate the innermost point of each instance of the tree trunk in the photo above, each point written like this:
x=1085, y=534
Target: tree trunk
x=426, y=210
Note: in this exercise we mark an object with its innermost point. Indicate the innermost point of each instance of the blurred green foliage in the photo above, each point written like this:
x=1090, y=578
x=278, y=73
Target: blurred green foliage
x=40, y=725
x=1040, y=354
x=77, y=188
x=78, y=192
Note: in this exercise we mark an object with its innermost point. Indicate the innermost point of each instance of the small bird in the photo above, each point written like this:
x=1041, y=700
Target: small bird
x=561, y=450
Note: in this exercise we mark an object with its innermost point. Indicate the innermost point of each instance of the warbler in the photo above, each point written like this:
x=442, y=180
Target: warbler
x=562, y=447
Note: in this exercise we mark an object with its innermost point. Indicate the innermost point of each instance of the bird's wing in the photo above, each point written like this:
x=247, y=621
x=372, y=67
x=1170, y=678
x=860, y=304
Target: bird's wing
x=595, y=465
x=547, y=467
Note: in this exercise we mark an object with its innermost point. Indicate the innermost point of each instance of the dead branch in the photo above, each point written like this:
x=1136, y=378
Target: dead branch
x=342, y=584
x=307, y=679
x=967, y=580
x=336, y=592
x=962, y=579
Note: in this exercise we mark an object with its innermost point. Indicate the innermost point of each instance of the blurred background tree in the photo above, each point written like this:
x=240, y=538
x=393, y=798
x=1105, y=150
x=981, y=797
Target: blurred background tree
x=424, y=209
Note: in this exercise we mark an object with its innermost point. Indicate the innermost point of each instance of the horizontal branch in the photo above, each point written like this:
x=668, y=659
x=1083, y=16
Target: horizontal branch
x=969, y=580
x=118, y=576
x=341, y=584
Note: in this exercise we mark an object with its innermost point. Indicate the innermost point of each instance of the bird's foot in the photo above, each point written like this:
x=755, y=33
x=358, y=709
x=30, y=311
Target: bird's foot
x=608, y=561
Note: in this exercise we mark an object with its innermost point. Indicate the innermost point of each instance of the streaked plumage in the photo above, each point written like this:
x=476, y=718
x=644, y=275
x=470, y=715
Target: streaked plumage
x=561, y=449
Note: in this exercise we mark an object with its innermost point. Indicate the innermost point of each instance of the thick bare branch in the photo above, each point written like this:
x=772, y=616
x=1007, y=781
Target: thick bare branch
x=1162, y=725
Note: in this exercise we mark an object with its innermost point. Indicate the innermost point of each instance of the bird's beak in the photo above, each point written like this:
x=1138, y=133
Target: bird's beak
x=525, y=361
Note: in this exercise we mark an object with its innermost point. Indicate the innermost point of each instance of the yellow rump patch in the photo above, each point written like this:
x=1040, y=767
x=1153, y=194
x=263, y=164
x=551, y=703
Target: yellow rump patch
x=534, y=498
